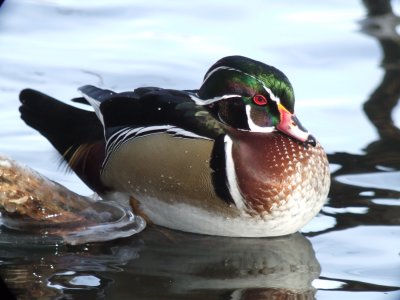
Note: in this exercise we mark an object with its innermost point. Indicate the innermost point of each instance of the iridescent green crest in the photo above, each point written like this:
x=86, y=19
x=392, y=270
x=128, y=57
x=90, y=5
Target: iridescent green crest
x=247, y=77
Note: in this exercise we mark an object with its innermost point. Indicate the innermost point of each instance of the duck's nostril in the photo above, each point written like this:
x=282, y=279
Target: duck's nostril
x=311, y=140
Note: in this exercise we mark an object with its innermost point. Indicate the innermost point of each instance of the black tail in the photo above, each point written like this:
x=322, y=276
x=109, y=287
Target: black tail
x=77, y=134
x=65, y=126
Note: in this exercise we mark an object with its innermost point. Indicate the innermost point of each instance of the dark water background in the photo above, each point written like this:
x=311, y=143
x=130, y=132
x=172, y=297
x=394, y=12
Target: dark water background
x=343, y=59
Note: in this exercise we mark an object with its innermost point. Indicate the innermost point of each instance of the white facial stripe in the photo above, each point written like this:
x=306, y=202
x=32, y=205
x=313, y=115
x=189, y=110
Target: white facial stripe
x=231, y=175
x=253, y=126
x=199, y=101
x=217, y=69
x=272, y=95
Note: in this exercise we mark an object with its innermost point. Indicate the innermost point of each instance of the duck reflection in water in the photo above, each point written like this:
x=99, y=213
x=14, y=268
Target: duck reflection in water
x=166, y=265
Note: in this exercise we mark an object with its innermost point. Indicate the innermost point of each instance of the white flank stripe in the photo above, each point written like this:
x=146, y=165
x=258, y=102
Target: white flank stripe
x=154, y=128
x=128, y=134
x=122, y=135
x=182, y=132
x=231, y=175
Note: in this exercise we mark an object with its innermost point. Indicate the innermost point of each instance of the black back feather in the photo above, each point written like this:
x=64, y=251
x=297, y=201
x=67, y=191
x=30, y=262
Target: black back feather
x=150, y=106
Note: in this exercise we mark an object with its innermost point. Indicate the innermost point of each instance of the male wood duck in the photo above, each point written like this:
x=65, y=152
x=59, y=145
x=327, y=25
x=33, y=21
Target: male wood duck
x=229, y=159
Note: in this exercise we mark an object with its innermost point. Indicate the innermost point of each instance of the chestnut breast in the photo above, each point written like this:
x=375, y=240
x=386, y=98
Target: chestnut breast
x=272, y=168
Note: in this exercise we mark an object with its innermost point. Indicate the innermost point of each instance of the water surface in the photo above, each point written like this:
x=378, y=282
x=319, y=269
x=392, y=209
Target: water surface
x=344, y=66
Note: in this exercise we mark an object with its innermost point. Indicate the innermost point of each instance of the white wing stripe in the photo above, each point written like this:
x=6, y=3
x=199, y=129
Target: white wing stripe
x=96, y=106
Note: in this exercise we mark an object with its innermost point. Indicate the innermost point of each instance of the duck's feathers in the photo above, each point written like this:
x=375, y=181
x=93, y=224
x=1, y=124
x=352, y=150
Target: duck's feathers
x=63, y=125
x=151, y=108
x=77, y=134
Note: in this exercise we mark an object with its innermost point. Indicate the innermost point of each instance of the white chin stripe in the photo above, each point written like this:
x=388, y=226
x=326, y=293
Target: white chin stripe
x=253, y=126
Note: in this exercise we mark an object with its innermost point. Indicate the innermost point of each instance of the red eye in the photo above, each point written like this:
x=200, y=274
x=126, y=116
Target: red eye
x=260, y=100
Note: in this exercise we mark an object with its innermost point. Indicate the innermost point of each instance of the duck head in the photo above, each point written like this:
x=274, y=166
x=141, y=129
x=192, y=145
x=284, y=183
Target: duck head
x=249, y=95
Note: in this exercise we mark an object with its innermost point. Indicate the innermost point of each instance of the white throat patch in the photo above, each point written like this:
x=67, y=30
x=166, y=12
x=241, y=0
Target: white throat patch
x=253, y=126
